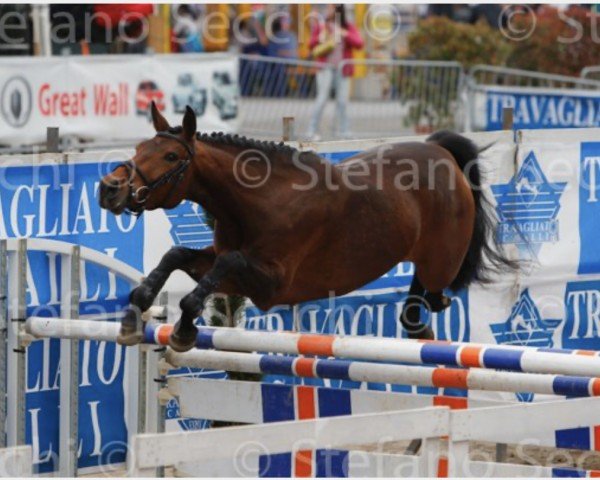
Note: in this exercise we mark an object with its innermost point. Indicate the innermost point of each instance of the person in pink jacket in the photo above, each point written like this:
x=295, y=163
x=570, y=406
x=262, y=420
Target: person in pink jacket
x=332, y=40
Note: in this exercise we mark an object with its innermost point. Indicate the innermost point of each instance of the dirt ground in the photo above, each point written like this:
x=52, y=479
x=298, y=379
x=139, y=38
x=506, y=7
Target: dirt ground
x=515, y=454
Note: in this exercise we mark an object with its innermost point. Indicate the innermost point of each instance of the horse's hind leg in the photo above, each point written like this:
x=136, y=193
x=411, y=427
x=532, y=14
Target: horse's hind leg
x=410, y=317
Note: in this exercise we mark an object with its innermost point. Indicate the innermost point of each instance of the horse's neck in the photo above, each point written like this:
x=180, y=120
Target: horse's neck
x=216, y=187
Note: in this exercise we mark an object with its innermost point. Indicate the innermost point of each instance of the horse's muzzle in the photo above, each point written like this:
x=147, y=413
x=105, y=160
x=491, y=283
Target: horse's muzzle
x=113, y=195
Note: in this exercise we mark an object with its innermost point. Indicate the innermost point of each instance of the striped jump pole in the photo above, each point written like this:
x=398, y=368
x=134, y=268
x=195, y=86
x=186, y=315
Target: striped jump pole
x=464, y=379
x=391, y=350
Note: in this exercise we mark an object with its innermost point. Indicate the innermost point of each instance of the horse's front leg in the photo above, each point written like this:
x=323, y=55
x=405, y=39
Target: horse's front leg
x=194, y=262
x=231, y=265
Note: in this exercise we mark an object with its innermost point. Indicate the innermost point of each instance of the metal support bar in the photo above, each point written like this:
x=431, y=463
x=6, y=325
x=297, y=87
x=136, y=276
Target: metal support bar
x=3, y=338
x=507, y=118
x=16, y=356
x=69, y=368
x=135, y=367
x=52, y=140
x=501, y=452
x=288, y=129
x=161, y=409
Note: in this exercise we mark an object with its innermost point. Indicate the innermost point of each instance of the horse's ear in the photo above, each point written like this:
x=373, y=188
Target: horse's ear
x=189, y=123
x=160, y=122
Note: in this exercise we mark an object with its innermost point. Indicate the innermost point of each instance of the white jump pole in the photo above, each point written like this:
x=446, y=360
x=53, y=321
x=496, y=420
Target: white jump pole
x=392, y=350
x=474, y=378
x=466, y=379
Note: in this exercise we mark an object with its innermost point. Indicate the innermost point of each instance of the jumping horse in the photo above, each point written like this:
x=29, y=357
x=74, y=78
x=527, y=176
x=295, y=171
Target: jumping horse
x=291, y=227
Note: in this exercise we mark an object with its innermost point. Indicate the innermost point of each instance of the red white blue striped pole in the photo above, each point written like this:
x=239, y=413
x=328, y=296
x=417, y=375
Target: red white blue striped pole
x=391, y=350
x=460, y=378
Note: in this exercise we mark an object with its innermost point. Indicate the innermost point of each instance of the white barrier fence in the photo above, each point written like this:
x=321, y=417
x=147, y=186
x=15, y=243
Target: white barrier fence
x=564, y=424
x=149, y=451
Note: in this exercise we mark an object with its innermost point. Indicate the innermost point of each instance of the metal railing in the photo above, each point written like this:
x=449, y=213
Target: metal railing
x=399, y=97
x=387, y=98
x=591, y=73
x=512, y=77
x=273, y=88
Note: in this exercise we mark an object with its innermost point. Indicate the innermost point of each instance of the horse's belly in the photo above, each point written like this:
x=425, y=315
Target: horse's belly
x=338, y=274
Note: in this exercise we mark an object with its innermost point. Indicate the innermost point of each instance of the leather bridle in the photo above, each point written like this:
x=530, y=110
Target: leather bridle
x=141, y=194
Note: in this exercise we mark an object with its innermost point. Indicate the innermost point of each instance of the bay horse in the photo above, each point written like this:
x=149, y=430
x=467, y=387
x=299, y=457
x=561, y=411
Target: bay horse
x=291, y=227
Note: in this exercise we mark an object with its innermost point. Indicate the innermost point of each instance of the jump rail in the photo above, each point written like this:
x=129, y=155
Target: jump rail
x=465, y=379
x=392, y=350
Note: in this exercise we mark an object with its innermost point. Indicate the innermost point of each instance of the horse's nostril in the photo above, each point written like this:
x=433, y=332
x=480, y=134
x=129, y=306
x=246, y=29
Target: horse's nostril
x=110, y=187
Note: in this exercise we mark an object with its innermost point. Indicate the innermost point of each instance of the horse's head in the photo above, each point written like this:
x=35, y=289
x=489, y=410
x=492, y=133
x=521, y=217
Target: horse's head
x=158, y=174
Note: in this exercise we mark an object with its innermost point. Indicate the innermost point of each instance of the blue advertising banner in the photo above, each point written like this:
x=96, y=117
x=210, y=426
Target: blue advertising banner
x=589, y=207
x=582, y=322
x=60, y=202
x=547, y=109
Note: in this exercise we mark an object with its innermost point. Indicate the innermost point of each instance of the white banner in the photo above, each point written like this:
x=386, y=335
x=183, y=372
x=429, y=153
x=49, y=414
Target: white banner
x=108, y=97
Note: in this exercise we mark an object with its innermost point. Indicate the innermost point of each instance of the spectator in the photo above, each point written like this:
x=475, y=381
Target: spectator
x=490, y=13
x=186, y=30
x=253, y=41
x=126, y=21
x=441, y=10
x=331, y=42
x=282, y=44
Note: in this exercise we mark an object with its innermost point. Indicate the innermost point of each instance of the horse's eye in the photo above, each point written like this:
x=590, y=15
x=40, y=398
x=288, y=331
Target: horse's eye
x=171, y=157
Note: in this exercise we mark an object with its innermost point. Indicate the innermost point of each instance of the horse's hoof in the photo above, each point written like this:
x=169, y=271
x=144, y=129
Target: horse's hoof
x=181, y=345
x=183, y=341
x=129, y=338
x=424, y=333
x=437, y=302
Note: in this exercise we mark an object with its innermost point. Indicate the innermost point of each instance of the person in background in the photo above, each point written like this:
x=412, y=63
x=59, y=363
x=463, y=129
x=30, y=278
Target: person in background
x=283, y=43
x=332, y=41
x=127, y=23
x=490, y=13
x=186, y=30
x=253, y=41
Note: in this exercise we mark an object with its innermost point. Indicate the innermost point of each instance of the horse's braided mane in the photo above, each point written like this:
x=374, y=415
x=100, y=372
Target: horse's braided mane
x=239, y=141
x=244, y=142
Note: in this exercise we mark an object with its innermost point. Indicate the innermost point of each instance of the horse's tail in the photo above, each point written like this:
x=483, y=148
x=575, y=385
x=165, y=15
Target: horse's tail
x=484, y=242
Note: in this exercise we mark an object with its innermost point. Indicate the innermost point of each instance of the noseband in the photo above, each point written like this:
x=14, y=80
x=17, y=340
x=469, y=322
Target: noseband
x=141, y=194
